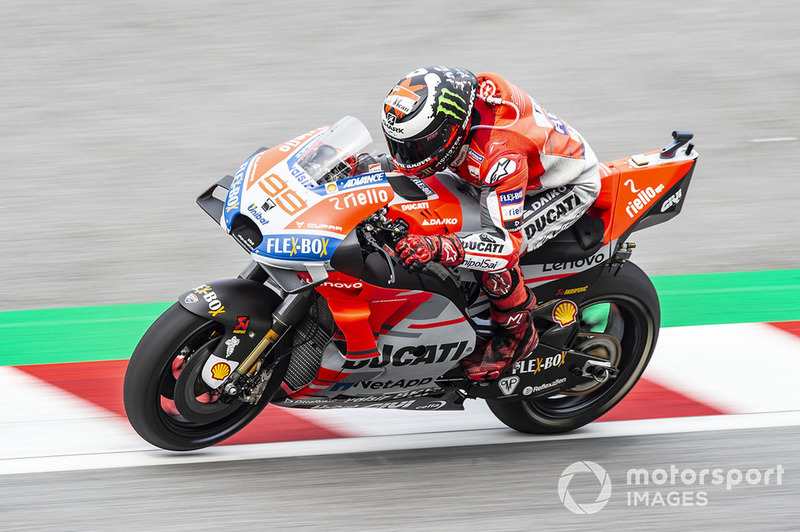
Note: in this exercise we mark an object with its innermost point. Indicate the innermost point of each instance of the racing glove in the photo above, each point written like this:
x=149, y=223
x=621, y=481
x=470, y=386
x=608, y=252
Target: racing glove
x=417, y=250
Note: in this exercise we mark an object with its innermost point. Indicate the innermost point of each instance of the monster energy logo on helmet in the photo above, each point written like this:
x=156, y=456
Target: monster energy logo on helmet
x=452, y=104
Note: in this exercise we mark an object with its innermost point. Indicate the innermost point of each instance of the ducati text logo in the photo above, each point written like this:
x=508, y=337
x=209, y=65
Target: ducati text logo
x=484, y=247
x=551, y=215
x=507, y=385
x=411, y=355
x=578, y=468
x=414, y=206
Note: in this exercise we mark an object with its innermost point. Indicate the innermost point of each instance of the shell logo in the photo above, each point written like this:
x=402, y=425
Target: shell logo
x=220, y=370
x=565, y=312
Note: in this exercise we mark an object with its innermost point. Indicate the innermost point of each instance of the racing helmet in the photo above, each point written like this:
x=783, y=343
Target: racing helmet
x=426, y=117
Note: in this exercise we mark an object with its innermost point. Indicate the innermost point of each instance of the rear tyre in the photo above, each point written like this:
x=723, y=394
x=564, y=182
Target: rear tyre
x=156, y=385
x=620, y=320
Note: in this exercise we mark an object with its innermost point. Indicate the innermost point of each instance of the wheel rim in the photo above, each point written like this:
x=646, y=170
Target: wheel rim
x=629, y=322
x=183, y=403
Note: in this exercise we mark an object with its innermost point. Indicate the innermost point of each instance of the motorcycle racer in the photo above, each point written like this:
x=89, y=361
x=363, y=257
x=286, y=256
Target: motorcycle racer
x=507, y=147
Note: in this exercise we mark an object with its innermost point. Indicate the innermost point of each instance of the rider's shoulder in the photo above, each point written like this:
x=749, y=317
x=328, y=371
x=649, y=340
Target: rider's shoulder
x=491, y=85
x=501, y=161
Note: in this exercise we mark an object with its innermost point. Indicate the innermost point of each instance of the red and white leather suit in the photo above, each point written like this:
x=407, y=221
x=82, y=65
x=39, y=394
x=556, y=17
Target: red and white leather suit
x=516, y=150
x=520, y=149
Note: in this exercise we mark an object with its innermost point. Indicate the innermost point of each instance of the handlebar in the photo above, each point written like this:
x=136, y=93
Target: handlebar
x=433, y=269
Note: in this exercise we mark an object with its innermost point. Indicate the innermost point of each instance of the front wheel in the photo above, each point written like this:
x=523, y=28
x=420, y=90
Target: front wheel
x=619, y=321
x=163, y=378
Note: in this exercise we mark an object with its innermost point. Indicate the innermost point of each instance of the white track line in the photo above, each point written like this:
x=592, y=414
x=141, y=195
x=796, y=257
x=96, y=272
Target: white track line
x=37, y=419
x=609, y=429
x=739, y=368
x=775, y=139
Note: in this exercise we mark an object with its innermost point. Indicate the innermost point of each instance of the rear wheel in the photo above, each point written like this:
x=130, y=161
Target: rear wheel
x=620, y=320
x=166, y=401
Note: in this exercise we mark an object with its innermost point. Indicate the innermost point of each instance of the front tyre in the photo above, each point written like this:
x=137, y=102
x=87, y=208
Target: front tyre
x=620, y=320
x=178, y=340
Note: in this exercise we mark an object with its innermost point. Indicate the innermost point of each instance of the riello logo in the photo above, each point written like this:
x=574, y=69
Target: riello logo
x=643, y=199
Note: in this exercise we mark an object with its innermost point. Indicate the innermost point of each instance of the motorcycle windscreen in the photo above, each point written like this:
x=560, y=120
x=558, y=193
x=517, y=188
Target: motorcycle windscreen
x=334, y=153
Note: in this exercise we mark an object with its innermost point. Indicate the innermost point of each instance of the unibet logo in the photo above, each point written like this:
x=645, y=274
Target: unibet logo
x=452, y=104
x=584, y=467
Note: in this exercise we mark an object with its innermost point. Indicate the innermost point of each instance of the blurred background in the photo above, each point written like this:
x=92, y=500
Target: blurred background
x=114, y=116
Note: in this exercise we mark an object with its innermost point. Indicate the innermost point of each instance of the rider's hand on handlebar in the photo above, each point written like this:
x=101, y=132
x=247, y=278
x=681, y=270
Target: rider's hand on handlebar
x=415, y=251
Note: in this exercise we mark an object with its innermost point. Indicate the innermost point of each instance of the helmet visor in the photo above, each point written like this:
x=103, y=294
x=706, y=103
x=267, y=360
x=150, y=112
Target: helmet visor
x=419, y=153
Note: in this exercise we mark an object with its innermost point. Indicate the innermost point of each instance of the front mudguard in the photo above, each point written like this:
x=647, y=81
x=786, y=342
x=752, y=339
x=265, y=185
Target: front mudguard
x=244, y=308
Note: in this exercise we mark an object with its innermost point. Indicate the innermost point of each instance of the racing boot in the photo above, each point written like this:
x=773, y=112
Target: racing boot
x=515, y=339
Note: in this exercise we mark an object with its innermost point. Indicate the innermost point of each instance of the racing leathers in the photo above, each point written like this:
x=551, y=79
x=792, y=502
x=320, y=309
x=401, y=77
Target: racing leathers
x=535, y=176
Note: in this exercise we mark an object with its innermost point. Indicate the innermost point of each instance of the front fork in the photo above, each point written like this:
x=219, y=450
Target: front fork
x=293, y=308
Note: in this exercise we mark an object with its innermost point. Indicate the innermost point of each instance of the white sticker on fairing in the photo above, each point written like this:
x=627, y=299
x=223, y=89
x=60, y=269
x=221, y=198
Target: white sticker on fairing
x=511, y=212
x=501, y=169
x=507, y=385
x=216, y=370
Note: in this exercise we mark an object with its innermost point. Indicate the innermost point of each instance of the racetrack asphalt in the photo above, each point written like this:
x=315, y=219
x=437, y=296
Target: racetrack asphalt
x=501, y=487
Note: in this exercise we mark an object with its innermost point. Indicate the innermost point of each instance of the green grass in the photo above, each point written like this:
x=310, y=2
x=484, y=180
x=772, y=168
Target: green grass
x=47, y=336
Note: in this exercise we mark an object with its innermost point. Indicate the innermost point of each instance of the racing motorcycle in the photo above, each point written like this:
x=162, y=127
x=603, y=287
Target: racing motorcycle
x=324, y=316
